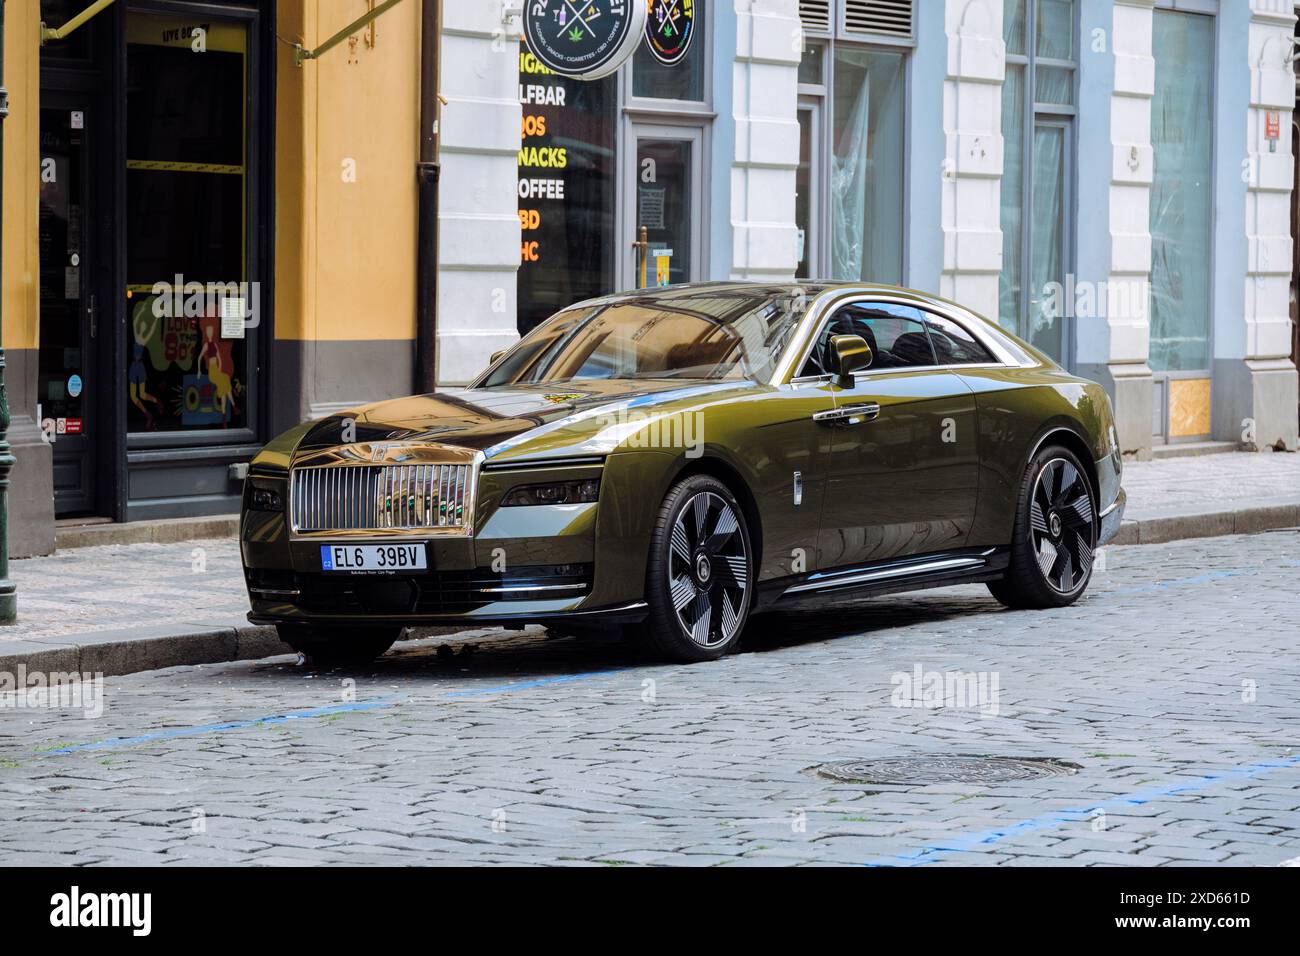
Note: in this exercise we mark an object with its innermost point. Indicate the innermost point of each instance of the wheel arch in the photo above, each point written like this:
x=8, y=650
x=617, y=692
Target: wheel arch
x=1069, y=438
x=729, y=475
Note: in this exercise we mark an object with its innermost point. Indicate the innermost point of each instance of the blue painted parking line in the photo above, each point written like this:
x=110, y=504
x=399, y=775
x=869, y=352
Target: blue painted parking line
x=311, y=714
x=984, y=839
x=175, y=733
x=320, y=712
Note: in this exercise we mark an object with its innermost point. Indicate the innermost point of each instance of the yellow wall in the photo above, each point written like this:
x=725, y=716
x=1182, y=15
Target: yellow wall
x=345, y=251
x=21, y=177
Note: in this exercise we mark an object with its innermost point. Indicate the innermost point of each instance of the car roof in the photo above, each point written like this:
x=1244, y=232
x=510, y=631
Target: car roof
x=729, y=289
x=667, y=296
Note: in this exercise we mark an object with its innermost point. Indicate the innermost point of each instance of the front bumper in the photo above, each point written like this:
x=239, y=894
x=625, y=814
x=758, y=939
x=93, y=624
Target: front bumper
x=497, y=614
x=433, y=597
x=518, y=565
x=1111, y=519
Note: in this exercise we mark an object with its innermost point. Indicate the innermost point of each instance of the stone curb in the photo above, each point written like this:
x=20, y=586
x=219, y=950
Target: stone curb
x=127, y=651
x=116, y=652
x=1158, y=528
x=170, y=531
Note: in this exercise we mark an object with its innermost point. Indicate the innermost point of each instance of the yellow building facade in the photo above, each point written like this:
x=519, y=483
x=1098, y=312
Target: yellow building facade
x=207, y=239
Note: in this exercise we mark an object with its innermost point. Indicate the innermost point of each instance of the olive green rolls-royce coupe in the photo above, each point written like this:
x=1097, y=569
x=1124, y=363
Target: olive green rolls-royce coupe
x=673, y=460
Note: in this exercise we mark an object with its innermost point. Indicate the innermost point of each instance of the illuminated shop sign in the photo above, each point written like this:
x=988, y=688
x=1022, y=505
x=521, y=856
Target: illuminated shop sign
x=585, y=39
x=566, y=189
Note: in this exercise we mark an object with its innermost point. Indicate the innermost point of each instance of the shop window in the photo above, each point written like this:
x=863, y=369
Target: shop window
x=866, y=169
x=567, y=173
x=682, y=81
x=1038, y=129
x=186, y=216
x=811, y=64
x=1182, y=115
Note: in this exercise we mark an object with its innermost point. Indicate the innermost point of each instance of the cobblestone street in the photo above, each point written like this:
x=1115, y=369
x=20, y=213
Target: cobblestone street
x=1174, y=686
x=84, y=590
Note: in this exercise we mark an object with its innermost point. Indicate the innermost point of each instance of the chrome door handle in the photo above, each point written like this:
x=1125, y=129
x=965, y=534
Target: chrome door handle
x=848, y=414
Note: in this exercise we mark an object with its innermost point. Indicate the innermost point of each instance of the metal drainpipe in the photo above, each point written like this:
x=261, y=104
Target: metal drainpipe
x=8, y=590
x=426, y=173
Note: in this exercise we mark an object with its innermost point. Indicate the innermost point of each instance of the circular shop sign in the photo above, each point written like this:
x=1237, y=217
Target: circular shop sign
x=669, y=29
x=586, y=39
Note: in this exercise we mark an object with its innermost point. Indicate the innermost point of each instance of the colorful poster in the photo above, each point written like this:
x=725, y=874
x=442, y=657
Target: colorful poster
x=669, y=29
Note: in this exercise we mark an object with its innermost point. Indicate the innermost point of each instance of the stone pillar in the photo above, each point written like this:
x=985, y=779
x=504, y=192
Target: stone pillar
x=1125, y=373
x=765, y=77
x=31, y=482
x=1255, y=384
x=479, y=235
x=972, y=124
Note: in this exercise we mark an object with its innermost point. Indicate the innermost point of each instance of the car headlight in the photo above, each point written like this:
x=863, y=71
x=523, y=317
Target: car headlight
x=553, y=493
x=265, y=497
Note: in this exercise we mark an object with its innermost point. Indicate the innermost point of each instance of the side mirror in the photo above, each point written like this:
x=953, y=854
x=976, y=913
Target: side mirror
x=496, y=355
x=850, y=353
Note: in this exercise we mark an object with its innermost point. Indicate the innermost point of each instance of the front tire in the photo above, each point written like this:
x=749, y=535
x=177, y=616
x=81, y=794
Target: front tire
x=326, y=647
x=699, y=579
x=1055, y=534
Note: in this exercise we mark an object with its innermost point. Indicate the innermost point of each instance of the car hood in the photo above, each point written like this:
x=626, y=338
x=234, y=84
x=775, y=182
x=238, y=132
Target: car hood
x=488, y=419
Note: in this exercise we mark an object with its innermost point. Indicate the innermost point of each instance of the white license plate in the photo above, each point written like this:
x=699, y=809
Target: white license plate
x=373, y=558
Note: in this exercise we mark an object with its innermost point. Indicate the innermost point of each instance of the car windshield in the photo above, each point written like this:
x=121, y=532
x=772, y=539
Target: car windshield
x=706, y=335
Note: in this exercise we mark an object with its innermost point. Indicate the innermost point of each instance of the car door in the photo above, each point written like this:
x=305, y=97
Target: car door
x=902, y=466
x=788, y=451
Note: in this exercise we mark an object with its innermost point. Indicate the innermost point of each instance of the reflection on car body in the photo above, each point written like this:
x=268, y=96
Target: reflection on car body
x=677, y=459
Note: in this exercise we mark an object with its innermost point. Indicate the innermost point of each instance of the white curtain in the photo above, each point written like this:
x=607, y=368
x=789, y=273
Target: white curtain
x=1010, y=285
x=849, y=188
x=1046, y=253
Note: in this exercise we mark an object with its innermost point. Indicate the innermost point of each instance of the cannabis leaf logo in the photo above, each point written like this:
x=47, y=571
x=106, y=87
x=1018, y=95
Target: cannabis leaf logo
x=575, y=35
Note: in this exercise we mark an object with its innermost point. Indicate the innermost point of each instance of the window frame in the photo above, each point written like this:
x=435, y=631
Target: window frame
x=865, y=297
x=1056, y=114
x=919, y=320
x=657, y=106
x=639, y=116
x=145, y=445
x=932, y=318
x=821, y=96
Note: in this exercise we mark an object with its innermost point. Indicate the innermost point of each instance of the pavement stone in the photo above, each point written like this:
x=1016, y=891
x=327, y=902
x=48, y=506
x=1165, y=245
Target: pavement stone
x=1174, y=684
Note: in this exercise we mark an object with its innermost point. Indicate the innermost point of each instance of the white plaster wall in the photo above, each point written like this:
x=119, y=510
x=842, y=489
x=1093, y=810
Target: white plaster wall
x=1266, y=331
x=972, y=123
x=1132, y=168
x=478, y=220
x=765, y=83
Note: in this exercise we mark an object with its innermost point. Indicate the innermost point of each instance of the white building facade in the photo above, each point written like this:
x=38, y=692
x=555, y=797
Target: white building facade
x=1110, y=179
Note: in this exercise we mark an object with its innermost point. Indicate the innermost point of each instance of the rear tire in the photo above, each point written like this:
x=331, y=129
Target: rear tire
x=326, y=647
x=699, y=579
x=1055, y=534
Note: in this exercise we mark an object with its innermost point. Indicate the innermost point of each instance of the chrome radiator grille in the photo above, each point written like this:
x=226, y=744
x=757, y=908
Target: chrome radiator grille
x=379, y=497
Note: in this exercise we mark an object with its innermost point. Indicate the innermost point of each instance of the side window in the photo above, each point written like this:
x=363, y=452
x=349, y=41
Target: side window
x=896, y=334
x=953, y=344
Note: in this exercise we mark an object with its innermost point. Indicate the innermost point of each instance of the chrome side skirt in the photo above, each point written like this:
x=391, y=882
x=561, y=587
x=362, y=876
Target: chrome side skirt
x=825, y=581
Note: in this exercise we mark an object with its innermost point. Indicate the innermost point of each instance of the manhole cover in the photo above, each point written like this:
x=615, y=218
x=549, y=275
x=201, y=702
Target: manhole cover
x=939, y=768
